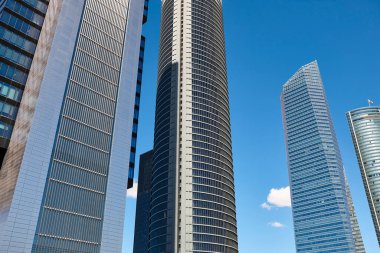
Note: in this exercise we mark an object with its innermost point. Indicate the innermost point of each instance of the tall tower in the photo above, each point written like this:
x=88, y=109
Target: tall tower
x=65, y=173
x=20, y=28
x=193, y=196
x=365, y=131
x=358, y=240
x=321, y=213
x=141, y=239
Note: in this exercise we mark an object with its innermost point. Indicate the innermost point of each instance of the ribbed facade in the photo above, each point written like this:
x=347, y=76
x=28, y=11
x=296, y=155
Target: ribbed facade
x=20, y=26
x=73, y=206
x=66, y=170
x=365, y=131
x=193, y=197
x=320, y=206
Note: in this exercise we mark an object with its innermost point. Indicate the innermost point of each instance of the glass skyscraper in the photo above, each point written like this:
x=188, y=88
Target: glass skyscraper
x=193, y=194
x=321, y=212
x=365, y=131
x=358, y=240
x=65, y=173
x=20, y=28
x=141, y=239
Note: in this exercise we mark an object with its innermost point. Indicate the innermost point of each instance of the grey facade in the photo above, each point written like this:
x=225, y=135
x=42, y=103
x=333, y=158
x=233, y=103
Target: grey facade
x=321, y=212
x=141, y=239
x=365, y=131
x=193, y=196
x=65, y=174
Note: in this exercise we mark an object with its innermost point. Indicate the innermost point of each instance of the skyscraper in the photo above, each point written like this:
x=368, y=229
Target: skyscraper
x=65, y=173
x=140, y=244
x=358, y=240
x=321, y=213
x=365, y=131
x=20, y=28
x=193, y=196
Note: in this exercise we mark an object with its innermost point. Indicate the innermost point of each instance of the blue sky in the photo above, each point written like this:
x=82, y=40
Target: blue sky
x=266, y=42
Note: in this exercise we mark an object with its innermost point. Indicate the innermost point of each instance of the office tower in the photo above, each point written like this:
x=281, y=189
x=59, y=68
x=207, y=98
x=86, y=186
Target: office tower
x=358, y=240
x=65, y=173
x=321, y=213
x=193, y=199
x=365, y=131
x=141, y=239
x=20, y=27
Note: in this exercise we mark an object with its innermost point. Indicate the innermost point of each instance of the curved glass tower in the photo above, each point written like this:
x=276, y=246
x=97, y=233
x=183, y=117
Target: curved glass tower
x=193, y=197
x=320, y=201
x=365, y=130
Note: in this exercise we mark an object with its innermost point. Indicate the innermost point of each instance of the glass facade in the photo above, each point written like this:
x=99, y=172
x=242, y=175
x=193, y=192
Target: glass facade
x=20, y=25
x=365, y=131
x=65, y=175
x=162, y=207
x=321, y=212
x=72, y=210
x=141, y=239
x=359, y=245
x=193, y=197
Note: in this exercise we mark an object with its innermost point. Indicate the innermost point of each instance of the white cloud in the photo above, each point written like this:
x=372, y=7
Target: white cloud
x=278, y=198
x=276, y=224
x=132, y=193
x=266, y=206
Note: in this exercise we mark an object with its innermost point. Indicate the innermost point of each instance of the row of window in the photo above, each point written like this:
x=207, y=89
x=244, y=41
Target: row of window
x=85, y=134
x=5, y=130
x=20, y=25
x=8, y=110
x=17, y=40
x=70, y=226
x=214, y=239
x=48, y=244
x=88, y=115
x=105, y=55
x=92, y=99
x=37, y=4
x=10, y=92
x=78, y=176
x=25, y=12
x=93, y=65
x=15, y=56
x=94, y=82
x=13, y=73
x=70, y=198
x=80, y=155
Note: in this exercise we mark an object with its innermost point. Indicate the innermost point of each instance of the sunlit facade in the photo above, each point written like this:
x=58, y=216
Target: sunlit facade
x=365, y=131
x=321, y=212
x=65, y=173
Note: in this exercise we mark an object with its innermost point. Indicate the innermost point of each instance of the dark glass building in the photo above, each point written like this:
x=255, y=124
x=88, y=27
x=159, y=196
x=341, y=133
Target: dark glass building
x=68, y=164
x=140, y=244
x=193, y=196
x=320, y=198
x=20, y=27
